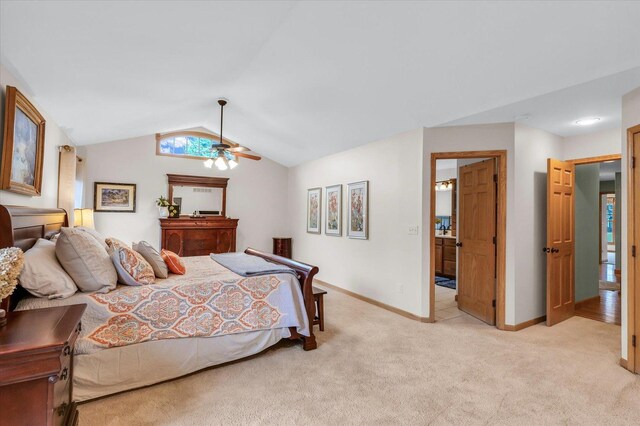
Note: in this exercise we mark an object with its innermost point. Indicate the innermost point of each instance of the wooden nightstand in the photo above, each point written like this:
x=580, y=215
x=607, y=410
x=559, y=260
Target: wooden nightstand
x=36, y=366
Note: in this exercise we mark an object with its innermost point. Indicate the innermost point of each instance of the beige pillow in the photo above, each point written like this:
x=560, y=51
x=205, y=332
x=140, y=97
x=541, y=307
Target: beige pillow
x=43, y=276
x=95, y=234
x=85, y=260
x=152, y=256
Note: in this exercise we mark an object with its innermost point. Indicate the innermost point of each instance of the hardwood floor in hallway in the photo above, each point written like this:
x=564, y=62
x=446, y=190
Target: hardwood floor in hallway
x=607, y=309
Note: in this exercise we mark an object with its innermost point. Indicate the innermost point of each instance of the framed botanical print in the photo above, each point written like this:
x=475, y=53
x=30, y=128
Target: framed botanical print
x=114, y=197
x=23, y=146
x=333, y=216
x=314, y=204
x=358, y=210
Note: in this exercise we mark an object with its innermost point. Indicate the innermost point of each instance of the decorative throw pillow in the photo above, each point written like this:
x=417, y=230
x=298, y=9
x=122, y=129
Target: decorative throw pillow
x=43, y=275
x=85, y=260
x=131, y=267
x=152, y=256
x=174, y=262
x=95, y=234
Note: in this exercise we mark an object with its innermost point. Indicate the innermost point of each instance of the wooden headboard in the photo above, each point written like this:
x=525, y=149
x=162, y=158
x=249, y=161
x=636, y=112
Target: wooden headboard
x=21, y=227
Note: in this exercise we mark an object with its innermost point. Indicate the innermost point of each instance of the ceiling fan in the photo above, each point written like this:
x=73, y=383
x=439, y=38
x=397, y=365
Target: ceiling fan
x=224, y=153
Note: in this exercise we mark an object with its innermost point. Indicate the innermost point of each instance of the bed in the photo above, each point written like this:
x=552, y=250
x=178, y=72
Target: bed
x=105, y=364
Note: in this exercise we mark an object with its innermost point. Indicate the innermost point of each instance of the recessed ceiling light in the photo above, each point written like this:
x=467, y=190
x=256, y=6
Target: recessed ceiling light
x=587, y=121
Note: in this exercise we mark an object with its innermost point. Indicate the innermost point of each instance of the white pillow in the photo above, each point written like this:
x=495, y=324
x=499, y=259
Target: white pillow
x=43, y=276
x=85, y=260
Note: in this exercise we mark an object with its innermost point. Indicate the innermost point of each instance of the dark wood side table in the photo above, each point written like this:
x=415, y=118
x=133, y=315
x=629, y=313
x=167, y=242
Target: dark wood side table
x=282, y=247
x=36, y=366
x=318, y=297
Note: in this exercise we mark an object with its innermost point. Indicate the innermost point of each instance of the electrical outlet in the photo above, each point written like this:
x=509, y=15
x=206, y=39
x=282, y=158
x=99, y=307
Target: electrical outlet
x=413, y=229
x=400, y=288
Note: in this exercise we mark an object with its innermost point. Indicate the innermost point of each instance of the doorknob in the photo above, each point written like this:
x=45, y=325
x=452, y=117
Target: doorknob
x=555, y=250
x=546, y=250
x=458, y=244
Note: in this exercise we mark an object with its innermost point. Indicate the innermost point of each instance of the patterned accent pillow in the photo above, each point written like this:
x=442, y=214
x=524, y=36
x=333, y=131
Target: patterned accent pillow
x=174, y=262
x=152, y=256
x=131, y=267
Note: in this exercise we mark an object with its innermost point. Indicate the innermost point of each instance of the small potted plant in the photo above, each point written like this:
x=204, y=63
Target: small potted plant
x=163, y=207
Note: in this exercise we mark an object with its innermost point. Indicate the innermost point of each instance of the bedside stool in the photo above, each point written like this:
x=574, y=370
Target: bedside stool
x=318, y=296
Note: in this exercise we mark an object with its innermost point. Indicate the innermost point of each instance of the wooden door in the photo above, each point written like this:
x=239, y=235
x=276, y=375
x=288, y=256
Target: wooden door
x=633, y=288
x=560, y=249
x=476, y=240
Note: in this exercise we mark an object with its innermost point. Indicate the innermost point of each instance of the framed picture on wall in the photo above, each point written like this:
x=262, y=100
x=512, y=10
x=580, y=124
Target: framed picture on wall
x=333, y=221
x=358, y=210
x=114, y=197
x=23, y=147
x=314, y=205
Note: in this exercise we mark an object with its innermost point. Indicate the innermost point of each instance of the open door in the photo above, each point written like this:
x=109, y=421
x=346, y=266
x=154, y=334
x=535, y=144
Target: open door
x=560, y=249
x=476, y=240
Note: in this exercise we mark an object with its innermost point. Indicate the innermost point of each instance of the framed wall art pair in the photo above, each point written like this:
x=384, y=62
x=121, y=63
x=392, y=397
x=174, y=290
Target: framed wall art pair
x=357, y=210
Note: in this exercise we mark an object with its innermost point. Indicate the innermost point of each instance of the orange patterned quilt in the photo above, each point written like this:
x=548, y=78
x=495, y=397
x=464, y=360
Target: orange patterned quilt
x=198, y=304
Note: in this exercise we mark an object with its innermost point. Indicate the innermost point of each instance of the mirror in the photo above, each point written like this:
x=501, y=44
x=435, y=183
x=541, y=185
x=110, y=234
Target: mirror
x=201, y=199
x=202, y=194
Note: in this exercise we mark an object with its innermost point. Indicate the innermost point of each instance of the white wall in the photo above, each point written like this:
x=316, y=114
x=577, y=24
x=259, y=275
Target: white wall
x=54, y=137
x=588, y=145
x=256, y=194
x=470, y=138
x=532, y=148
x=630, y=118
x=387, y=266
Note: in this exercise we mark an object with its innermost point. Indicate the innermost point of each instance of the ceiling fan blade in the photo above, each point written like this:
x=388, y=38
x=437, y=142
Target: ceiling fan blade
x=238, y=148
x=244, y=155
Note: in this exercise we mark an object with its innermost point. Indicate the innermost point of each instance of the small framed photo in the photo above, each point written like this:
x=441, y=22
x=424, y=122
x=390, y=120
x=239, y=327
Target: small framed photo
x=333, y=221
x=314, y=205
x=358, y=213
x=114, y=197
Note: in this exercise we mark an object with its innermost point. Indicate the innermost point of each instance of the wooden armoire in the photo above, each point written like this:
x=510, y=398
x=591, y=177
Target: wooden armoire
x=199, y=236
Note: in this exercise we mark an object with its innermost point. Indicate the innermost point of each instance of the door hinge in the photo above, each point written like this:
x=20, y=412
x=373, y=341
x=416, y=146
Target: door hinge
x=494, y=240
x=633, y=340
x=495, y=178
x=633, y=162
x=633, y=251
x=493, y=303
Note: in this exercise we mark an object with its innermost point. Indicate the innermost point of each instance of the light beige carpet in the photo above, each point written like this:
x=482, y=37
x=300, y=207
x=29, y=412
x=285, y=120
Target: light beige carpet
x=375, y=367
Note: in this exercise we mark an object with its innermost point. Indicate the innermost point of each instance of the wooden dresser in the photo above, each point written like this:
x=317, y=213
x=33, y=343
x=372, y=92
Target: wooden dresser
x=282, y=246
x=36, y=366
x=188, y=236
x=446, y=256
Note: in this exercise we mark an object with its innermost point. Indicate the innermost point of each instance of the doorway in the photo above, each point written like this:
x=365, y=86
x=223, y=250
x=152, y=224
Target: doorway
x=582, y=278
x=468, y=236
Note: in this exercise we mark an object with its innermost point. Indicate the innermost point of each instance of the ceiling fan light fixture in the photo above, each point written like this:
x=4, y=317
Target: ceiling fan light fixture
x=221, y=163
x=208, y=163
x=232, y=164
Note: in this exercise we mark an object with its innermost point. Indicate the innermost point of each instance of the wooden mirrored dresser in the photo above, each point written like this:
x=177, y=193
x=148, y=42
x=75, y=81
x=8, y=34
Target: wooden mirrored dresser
x=204, y=234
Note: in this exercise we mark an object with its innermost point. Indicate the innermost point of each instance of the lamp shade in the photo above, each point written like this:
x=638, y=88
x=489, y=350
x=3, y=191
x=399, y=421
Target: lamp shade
x=83, y=217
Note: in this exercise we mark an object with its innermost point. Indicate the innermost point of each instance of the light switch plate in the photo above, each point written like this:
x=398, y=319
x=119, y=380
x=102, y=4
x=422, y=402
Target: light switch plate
x=413, y=230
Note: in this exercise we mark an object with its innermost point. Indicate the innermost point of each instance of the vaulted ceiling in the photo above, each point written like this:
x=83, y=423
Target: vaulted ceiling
x=304, y=79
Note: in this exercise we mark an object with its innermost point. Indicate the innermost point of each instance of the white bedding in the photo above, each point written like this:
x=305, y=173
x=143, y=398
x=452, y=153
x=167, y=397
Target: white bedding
x=129, y=367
